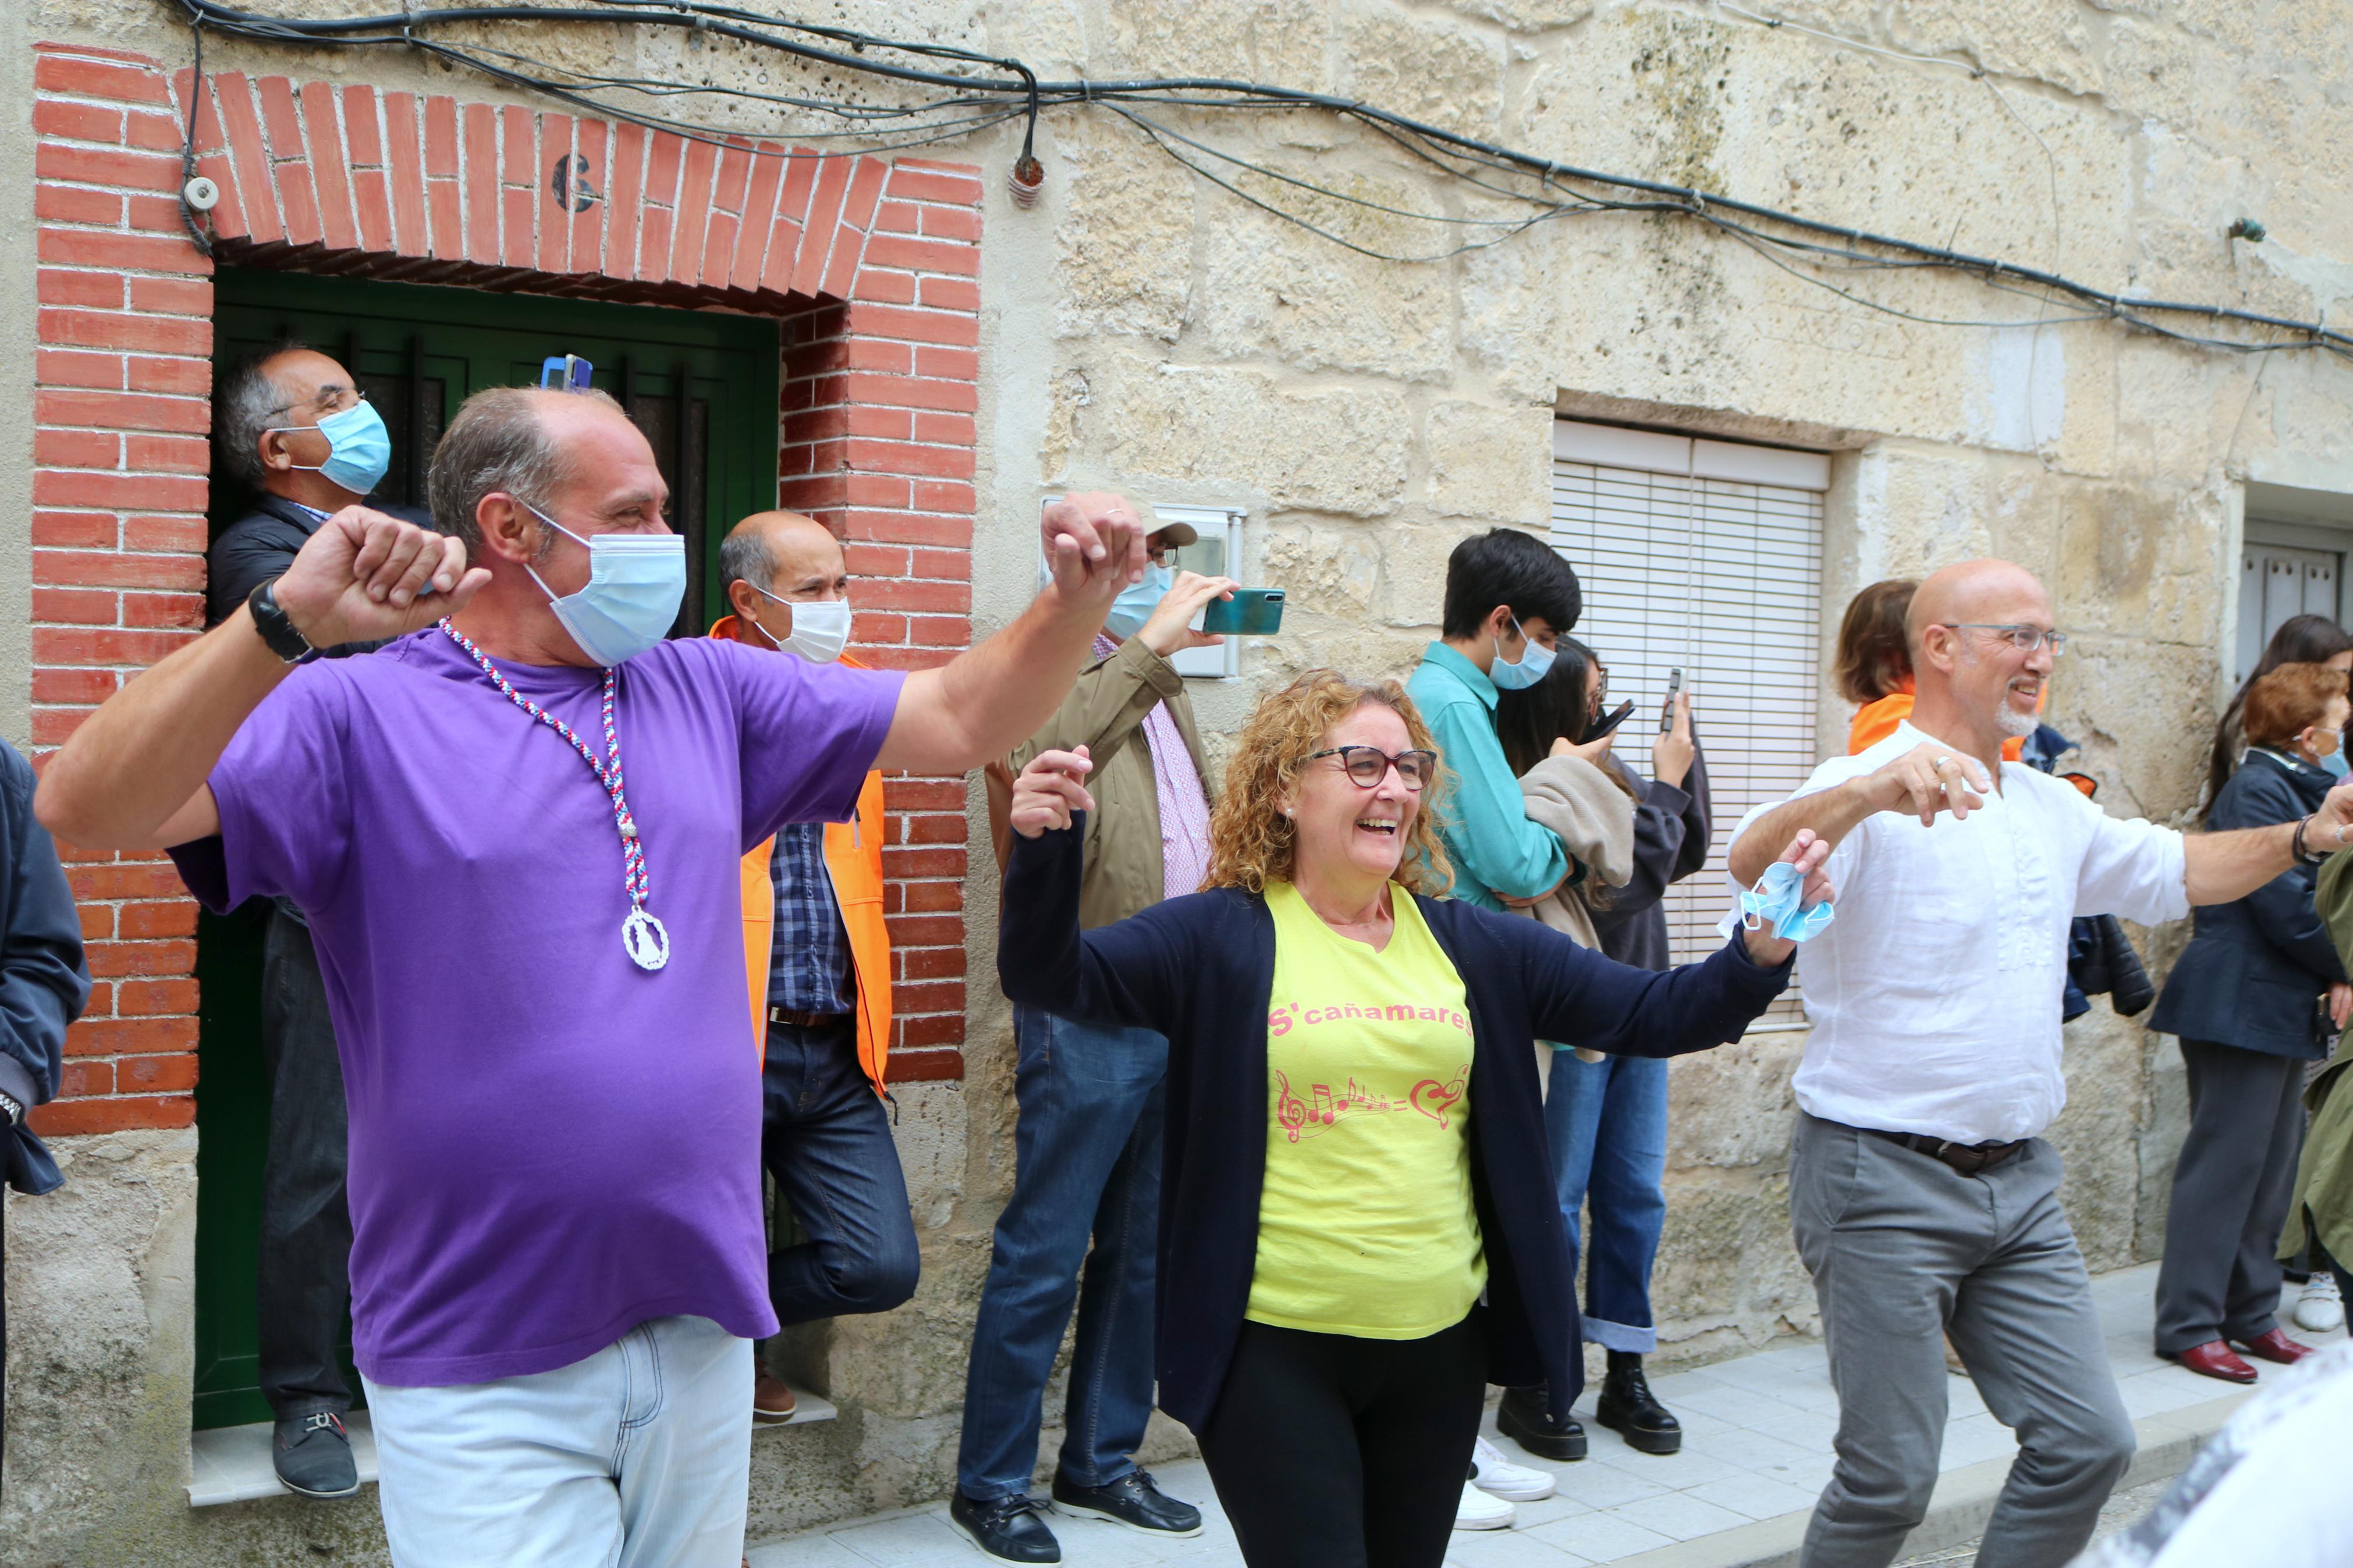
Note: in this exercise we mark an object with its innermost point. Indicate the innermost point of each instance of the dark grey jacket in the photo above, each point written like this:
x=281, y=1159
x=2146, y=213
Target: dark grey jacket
x=262, y=544
x=1672, y=834
x=43, y=980
x=2255, y=968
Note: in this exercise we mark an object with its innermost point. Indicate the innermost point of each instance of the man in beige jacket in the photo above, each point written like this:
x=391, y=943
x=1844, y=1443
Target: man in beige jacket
x=1088, y=1140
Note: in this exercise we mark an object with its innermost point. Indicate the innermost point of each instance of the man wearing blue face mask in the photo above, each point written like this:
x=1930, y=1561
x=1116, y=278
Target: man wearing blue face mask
x=1509, y=596
x=818, y=957
x=291, y=425
x=518, y=830
x=1091, y=1095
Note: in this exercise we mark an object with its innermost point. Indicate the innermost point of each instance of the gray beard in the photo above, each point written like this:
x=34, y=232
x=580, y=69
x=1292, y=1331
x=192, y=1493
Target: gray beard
x=2013, y=724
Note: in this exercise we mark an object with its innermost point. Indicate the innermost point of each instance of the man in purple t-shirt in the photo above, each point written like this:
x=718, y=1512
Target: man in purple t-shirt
x=517, y=832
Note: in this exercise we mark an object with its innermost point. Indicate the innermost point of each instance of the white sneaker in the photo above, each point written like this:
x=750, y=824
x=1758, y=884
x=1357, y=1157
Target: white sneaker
x=2319, y=1308
x=1477, y=1511
x=1498, y=1477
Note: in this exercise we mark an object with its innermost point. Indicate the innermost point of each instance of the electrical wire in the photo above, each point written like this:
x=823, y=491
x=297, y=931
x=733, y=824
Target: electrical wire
x=1455, y=153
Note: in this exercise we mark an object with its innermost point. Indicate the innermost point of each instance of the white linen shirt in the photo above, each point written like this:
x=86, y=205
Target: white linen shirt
x=1934, y=995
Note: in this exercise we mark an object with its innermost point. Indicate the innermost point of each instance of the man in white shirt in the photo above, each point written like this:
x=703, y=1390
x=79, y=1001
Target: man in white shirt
x=1922, y=1195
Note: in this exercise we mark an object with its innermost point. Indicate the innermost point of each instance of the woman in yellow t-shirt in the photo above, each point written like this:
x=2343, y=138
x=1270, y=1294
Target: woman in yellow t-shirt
x=1358, y=1230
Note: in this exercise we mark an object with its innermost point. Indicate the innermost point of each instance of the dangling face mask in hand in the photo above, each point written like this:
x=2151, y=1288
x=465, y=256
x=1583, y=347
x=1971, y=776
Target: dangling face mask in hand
x=359, y=449
x=820, y=626
x=1137, y=600
x=1774, y=901
x=636, y=583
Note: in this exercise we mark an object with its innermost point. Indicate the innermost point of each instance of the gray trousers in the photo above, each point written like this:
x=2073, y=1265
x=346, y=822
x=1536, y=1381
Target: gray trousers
x=1901, y=1246
x=2231, y=1187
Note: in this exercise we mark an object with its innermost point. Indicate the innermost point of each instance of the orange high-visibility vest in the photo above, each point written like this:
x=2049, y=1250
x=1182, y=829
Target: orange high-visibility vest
x=853, y=859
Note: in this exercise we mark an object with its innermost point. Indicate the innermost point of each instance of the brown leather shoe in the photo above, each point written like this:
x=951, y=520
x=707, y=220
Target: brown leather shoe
x=772, y=1402
x=2273, y=1344
x=2213, y=1359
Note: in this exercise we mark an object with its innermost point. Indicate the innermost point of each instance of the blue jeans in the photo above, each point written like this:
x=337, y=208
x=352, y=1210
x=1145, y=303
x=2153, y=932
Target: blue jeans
x=637, y=1457
x=826, y=1139
x=1087, y=1148
x=1607, y=1124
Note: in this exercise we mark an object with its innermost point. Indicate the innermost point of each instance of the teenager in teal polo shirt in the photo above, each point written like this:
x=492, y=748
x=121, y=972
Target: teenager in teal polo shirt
x=1508, y=596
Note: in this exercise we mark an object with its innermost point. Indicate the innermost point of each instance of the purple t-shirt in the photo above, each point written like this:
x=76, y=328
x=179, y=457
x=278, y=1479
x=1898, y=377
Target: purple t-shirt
x=548, y=1144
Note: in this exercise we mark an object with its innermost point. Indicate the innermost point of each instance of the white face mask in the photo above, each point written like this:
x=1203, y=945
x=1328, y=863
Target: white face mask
x=820, y=626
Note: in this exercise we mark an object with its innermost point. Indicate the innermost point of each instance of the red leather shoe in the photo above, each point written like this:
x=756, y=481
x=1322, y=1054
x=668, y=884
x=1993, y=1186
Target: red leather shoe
x=2214, y=1359
x=2274, y=1345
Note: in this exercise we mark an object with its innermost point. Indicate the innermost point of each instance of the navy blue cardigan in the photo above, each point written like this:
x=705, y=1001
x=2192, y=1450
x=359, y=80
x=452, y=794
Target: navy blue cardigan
x=2255, y=967
x=1200, y=970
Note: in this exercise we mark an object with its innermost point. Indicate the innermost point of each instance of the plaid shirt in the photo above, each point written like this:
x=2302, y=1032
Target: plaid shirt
x=808, y=962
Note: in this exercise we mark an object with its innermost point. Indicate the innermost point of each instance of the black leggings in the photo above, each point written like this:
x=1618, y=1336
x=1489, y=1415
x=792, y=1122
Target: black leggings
x=1334, y=1452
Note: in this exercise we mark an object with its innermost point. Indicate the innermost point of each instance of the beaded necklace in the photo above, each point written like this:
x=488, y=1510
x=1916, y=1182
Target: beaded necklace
x=642, y=936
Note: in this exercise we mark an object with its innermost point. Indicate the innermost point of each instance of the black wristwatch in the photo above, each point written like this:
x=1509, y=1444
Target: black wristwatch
x=278, y=633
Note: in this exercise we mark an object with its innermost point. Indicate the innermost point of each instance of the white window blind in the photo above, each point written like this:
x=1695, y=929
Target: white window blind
x=1702, y=556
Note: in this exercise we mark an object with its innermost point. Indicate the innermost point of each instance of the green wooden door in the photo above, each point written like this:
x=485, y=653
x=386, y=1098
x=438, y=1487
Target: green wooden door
x=702, y=386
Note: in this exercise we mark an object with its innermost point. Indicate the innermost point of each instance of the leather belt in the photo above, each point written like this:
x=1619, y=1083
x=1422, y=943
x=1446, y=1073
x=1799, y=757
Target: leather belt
x=800, y=1020
x=1968, y=1159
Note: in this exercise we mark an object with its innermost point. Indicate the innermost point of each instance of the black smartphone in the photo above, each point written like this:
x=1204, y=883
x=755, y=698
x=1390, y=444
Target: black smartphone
x=1250, y=613
x=1609, y=720
x=1667, y=709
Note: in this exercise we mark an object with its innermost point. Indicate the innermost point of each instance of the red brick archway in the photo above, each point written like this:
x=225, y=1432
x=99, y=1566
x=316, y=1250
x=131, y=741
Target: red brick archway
x=872, y=261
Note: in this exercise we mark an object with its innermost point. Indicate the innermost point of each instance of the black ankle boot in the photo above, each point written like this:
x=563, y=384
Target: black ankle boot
x=1628, y=1407
x=1522, y=1419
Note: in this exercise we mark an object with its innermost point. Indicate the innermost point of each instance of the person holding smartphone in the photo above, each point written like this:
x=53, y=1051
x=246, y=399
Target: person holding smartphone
x=1605, y=1116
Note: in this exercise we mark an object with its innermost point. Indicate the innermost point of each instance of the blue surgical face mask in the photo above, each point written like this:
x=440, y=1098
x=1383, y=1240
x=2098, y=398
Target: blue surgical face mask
x=636, y=583
x=2334, y=764
x=1775, y=901
x=359, y=449
x=1137, y=600
x=1535, y=660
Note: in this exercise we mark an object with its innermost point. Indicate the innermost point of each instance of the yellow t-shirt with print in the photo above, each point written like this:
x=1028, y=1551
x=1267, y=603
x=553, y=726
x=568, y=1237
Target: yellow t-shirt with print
x=1366, y=1225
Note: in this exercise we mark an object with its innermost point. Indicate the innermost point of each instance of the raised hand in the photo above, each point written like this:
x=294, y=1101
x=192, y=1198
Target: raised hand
x=1671, y=753
x=1094, y=546
x=1807, y=852
x=1047, y=790
x=1169, y=626
x=1933, y=777
x=366, y=576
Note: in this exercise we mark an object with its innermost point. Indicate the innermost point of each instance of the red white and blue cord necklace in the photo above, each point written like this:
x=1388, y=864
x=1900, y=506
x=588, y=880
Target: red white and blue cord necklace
x=643, y=936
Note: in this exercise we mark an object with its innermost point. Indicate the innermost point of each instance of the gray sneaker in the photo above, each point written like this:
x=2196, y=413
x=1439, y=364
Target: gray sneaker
x=313, y=1456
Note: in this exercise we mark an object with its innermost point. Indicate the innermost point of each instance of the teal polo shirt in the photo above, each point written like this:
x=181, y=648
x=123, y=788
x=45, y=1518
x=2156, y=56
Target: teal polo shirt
x=1481, y=821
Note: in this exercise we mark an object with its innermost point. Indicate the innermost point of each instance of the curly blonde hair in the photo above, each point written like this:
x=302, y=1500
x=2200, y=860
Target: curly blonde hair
x=1252, y=843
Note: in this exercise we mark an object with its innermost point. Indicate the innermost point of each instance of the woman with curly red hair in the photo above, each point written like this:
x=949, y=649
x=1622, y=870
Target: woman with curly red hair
x=1355, y=1153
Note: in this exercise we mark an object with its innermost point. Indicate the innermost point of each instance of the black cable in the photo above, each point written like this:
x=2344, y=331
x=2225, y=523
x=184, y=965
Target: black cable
x=197, y=235
x=734, y=23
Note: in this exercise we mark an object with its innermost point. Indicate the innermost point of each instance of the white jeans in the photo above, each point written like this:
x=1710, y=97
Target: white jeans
x=639, y=1456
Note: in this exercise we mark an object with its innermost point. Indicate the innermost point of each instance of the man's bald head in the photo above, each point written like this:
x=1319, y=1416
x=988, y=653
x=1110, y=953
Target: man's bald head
x=1970, y=676
x=782, y=552
x=1986, y=592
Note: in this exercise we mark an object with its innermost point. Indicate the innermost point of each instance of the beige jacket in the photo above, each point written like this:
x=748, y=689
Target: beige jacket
x=1594, y=820
x=1125, y=871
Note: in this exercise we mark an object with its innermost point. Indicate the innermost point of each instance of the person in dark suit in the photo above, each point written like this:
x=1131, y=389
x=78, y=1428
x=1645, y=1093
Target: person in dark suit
x=43, y=984
x=1358, y=1225
x=2250, y=998
x=292, y=425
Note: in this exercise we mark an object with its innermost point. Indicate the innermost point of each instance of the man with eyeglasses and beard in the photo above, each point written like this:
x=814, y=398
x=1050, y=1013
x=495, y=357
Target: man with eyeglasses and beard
x=1922, y=1195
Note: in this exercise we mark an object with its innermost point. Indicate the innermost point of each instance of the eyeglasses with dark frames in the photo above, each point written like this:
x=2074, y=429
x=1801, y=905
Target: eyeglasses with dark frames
x=2022, y=637
x=1369, y=765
